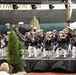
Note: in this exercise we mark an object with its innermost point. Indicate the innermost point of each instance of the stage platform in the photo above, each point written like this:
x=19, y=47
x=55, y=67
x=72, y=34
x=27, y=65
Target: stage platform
x=48, y=64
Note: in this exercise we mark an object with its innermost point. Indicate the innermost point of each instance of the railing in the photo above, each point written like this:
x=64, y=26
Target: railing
x=21, y=1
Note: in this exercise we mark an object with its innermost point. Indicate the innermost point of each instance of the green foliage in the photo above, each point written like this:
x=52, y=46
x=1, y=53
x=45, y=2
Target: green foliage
x=15, y=49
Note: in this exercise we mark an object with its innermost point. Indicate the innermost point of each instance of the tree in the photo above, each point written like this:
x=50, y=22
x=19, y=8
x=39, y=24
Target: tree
x=15, y=48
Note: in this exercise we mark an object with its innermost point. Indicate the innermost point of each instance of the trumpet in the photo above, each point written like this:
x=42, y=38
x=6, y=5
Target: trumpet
x=63, y=37
x=49, y=37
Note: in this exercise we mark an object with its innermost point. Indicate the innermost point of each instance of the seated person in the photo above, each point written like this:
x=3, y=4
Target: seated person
x=4, y=68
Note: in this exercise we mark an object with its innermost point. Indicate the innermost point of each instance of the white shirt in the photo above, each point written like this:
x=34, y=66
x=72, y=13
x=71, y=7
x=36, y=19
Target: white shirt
x=4, y=73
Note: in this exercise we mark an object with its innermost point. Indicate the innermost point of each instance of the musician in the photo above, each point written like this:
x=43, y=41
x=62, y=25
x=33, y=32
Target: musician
x=34, y=29
x=54, y=38
x=48, y=44
x=27, y=41
x=6, y=32
x=69, y=37
x=21, y=28
x=74, y=47
x=13, y=27
x=68, y=32
x=61, y=45
x=32, y=45
x=40, y=37
x=7, y=29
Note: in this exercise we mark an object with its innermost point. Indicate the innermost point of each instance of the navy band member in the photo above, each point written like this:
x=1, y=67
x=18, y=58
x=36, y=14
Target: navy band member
x=62, y=47
x=48, y=44
x=22, y=29
x=7, y=29
x=74, y=47
x=32, y=45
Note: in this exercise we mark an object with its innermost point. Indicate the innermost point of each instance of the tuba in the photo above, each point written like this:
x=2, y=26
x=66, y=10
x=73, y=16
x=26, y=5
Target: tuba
x=69, y=29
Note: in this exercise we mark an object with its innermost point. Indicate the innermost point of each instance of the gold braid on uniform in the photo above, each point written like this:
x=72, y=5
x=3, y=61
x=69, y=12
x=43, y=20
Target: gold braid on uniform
x=20, y=35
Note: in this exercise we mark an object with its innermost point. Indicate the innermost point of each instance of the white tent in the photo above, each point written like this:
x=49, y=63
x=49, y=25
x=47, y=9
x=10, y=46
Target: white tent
x=73, y=25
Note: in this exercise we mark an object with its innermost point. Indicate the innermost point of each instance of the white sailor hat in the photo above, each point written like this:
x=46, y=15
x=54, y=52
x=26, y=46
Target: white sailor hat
x=41, y=30
x=34, y=28
x=21, y=23
x=61, y=32
x=49, y=32
x=37, y=31
x=33, y=32
x=7, y=24
x=13, y=25
x=28, y=33
x=54, y=30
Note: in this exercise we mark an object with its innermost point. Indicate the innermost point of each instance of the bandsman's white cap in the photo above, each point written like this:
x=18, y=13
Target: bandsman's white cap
x=33, y=32
x=34, y=28
x=37, y=31
x=7, y=24
x=61, y=32
x=49, y=32
x=21, y=23
x=54, y=30
x=41, y=30
x=13, y=25
x=27, y=33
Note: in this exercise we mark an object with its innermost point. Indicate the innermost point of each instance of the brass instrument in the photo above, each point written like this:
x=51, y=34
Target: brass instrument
x=49, y=37
x=69, y=29
x=69, y=15
x=61, y=36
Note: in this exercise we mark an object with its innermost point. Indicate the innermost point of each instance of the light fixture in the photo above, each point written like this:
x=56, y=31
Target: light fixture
x=66, y=6
x=15, y=6
x=63, y=1
x=51, y=6
x=34, y=6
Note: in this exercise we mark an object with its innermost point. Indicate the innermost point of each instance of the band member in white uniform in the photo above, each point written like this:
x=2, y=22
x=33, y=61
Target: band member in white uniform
x=48, y=45
x=32, y=45
x=74, y=47
x=62, y=47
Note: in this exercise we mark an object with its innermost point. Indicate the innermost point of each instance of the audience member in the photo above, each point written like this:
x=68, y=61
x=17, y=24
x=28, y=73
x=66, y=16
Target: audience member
x=4, y=68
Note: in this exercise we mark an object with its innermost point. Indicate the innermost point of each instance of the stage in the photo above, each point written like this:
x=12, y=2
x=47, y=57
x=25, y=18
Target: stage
x=47, y=64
